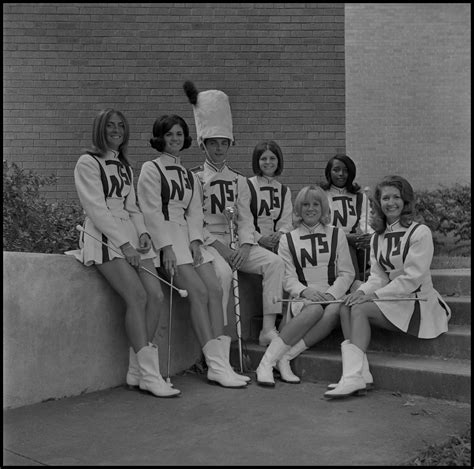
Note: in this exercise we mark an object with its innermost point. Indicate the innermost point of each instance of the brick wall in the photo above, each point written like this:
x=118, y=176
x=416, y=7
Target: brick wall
x=408, y=91
x=281, y=64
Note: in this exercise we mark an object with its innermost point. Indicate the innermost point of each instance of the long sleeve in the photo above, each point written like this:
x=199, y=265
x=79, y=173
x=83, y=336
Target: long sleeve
x=135, y=213
x=285, y=223
x=194, y=214
x=344, y=270
x=91, y=195
x=245, y=227
x=149, y=198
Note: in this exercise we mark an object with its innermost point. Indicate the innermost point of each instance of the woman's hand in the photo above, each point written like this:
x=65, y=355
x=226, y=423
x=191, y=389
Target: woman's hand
x=169, y=260
x=132, y=256
x=145, y=243
x=195, y=247
x=359, y=297
x=315, y=295
x=240, y=256
x=267, y=242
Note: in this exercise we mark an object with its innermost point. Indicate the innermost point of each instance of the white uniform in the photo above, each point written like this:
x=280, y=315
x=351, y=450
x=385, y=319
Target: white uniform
x=316, y=257
x=171, y=205
x=349, y=211
x=271, y=206
x=225, y=187
x=400, y=266
x=105, y=189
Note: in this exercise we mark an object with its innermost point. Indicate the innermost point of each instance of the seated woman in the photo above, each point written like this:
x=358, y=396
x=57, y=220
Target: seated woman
x=318, y=268
x=400, y=258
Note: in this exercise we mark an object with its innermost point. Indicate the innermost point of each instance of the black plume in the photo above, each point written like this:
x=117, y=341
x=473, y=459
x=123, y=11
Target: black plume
x=191, y=91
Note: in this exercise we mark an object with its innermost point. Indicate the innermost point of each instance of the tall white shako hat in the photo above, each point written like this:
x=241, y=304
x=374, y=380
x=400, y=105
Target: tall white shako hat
x=212, y=114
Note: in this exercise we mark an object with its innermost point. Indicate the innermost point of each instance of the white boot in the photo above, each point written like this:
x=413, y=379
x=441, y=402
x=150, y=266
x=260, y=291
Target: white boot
x=366, y=374
x=218, y=367
x=283, y=365
x=133, y=373
x=274, y=352
x=351, y=381
x=226, y=347
x=151, y=379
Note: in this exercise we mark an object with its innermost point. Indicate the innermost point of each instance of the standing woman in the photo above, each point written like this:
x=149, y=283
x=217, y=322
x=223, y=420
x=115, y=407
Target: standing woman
x=172, y=208
x=270, y=201
x=349, y=208
x=318, y=267
x=401, y=255
x=104, y=183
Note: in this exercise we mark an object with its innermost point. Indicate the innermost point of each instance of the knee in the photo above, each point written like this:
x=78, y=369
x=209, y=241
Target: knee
x=357, y=312
x=155, y=297
x=198, y=292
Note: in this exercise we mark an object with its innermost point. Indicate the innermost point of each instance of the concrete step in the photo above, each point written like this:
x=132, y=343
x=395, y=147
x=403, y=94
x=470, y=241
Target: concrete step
x=426, y=376
x=460, y=309
x=452, y=281
x=456, y=343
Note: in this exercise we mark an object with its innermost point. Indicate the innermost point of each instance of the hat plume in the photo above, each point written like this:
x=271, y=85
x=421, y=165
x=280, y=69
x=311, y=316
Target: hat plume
x=191, y=92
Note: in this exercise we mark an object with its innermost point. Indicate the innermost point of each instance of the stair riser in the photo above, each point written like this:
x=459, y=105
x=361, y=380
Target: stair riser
x=460, y=310
x=407, y=381
x=449, y=283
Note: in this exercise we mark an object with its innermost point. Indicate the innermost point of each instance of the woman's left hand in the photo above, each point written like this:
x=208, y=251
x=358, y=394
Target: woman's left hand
x=195, y=247
x=359, y=297
x=145, y=243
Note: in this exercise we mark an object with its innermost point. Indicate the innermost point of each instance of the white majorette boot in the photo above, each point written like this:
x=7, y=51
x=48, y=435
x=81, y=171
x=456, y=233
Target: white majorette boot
x=274, y=352
x=283, y=365
x=133, y=373
x=366, y=374
x=218, y=367
x=151, y=379
x=226, y=340
x=351, y=381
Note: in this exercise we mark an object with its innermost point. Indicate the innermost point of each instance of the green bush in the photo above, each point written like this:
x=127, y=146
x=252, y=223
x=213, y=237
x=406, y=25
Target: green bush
x=30, y=223
x=447, y=211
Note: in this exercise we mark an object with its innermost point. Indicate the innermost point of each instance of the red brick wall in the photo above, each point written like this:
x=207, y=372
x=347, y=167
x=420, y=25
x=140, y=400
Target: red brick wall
x=408, y=91
x=282, y=64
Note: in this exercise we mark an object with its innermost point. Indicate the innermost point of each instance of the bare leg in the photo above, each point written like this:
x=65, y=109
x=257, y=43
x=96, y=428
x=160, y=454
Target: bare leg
x=324, y=326
x=297, y=327
x=187, y=278
x=345, y=313
x=208, y=275
x=154, y=304
x=125, y=280
x=362, y=316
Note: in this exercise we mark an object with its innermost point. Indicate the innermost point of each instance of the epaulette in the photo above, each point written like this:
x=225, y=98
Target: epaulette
x=197, y=168
x=236, y=172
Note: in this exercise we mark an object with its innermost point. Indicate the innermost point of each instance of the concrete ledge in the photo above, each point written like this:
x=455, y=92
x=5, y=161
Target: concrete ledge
x=64, y=334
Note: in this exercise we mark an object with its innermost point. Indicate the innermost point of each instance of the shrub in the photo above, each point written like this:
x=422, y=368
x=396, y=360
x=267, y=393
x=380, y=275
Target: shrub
x=30, y=223
x=447, y=211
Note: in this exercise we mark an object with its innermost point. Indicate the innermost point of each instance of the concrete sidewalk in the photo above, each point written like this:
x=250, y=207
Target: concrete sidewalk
x=209, y=425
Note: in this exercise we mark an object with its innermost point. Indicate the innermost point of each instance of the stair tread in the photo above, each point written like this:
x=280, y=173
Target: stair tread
x=453, y=366
x=451, y=272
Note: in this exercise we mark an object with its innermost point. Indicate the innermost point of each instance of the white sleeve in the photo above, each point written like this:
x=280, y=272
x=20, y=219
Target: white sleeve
x=149, y=198
x=285, y=223
x=291, y=284
x=91, y=195
x=344, y=268
x=194, y=214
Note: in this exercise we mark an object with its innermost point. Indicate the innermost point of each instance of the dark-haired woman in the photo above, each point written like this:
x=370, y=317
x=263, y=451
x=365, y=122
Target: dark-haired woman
x=104, y=183
x=401, y=254
x=171, y=203
x=349, y=208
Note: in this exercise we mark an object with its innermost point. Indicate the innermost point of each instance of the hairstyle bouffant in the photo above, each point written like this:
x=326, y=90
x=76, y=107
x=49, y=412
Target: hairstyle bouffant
x=258, y=151
x=165, y=123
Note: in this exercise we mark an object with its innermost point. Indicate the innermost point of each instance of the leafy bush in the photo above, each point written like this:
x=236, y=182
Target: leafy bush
x=30, y=223
x=447, y=211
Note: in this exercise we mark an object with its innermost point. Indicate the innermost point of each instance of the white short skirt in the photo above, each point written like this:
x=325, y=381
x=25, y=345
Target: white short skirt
x=93, y=251
x=181, y=246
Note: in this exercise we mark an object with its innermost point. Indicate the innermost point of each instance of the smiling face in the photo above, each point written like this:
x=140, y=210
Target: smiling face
x=174, y=140
x=114, y=132
x=391, y=203
x=217, y=149
x=268, y=163
x=311, y=210
x=339, y=173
